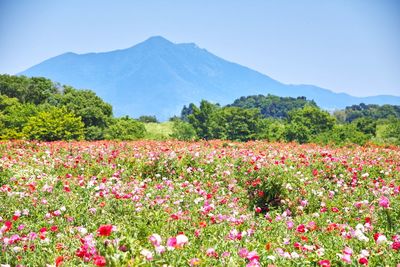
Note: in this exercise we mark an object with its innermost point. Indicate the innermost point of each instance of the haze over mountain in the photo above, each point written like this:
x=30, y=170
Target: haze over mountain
x=158, y=77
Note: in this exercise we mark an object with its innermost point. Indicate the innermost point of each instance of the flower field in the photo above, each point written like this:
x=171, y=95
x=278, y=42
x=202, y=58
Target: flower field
x=198, y=204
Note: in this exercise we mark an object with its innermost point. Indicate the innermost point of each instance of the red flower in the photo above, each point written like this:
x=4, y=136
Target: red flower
x=105, y=230
x=396, y=245
x=8, y=226
x=334, y=209
x=99, y=260
x=324, y=263
x=363, y=261
x=301, y=228
x=59, y=260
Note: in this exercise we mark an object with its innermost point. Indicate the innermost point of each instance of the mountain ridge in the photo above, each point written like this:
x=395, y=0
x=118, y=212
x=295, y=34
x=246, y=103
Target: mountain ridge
x=157, y=77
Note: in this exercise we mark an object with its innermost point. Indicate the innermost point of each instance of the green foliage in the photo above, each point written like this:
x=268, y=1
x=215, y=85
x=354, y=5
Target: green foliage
x=308, y=122
x=13, y=117
x=266, y=188
x=366, y=125
x=201, y=119
x=235, y=123
x=95, y=113
x=147, y=119
x=272, y=130
x=54, y=124
x=392, y=132
x=343, y=135
x=210, y=121
x=371, y=111
x=186, y=111
x=125, y=128
x=36, y=90
x=183, y=131
x=273, y=106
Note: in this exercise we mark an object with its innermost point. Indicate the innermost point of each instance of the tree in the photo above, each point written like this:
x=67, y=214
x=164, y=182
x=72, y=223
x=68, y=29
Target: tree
x=200, y=119
x=125, y=128
x=35, y=90
x=235, y=123
x=186, y=111
x=271, y=129
x=272, y=106
x=54, y=124
x=308, y=122
x=147, y=119
x=365, y=125
x=95, y=113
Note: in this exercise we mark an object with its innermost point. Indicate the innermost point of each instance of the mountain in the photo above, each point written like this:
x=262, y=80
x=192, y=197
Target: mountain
x=157, y=77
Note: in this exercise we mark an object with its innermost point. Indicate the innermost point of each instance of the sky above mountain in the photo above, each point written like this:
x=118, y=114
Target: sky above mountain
x=344, y=46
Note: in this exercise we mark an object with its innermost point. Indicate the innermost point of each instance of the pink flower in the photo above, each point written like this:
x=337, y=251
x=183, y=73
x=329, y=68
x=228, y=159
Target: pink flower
x=348, y=251
x=384, y=202
x=346, y=258
x=243, y=252
x=211, y=253
x=147, y=254
x=253, y=256
x=155, y=239
x=171, y=243
x=289, y=224
x=194, y=262
x=324, y=263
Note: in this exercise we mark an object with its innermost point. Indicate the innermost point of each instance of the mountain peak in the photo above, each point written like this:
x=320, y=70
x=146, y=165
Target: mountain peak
x=157, y=40
x=158, y=77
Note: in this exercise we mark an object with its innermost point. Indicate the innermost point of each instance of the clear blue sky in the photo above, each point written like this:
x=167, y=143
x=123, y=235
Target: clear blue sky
x=348, y=46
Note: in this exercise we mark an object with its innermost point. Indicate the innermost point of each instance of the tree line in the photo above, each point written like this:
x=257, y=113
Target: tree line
x=39, y=109
x=289, y=119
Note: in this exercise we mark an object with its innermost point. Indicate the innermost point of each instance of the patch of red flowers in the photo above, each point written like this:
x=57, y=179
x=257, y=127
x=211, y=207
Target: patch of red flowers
x=105, y=230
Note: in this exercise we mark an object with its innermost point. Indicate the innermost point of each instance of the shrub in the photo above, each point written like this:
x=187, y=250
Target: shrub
x=125, y=128
x=54, y=124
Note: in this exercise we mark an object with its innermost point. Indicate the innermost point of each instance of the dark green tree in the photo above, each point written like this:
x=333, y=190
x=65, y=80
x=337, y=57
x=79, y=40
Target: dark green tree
x=201, y=119
x=95, y=113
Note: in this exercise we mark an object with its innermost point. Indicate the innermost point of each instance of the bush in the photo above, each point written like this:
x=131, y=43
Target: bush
x=125, y=128
x=343, y=135
x=183, y=131
x=54, y=124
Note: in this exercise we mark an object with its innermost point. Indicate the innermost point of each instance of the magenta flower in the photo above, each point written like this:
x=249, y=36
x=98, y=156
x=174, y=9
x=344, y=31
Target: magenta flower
x=384, y=202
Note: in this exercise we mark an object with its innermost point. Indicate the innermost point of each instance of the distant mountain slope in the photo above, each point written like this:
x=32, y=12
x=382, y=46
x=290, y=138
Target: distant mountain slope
x=157, y=77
